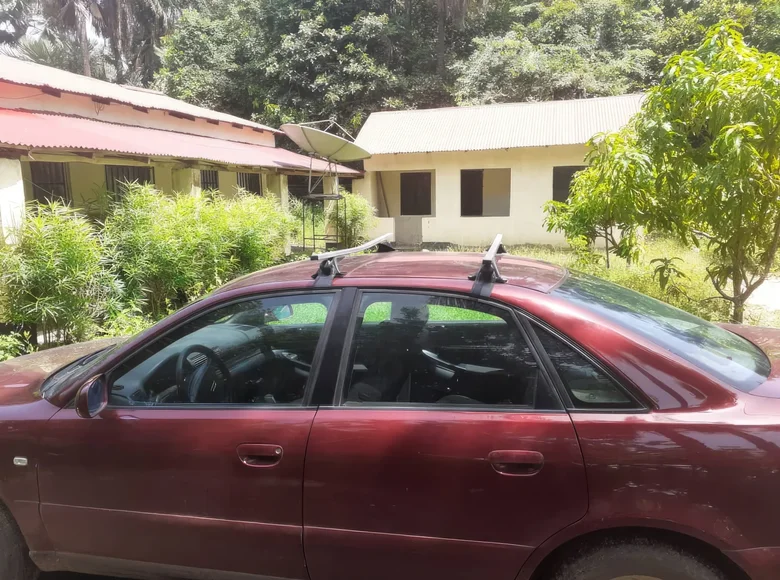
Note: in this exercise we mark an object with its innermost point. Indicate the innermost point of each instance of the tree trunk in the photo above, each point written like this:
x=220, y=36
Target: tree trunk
x=408, y=9
x=84, y=44
x=738, y=312
x=606, y=246
x=441, y=8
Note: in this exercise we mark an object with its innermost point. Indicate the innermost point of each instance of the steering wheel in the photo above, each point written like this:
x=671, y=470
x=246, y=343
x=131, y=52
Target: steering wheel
x=189, y=393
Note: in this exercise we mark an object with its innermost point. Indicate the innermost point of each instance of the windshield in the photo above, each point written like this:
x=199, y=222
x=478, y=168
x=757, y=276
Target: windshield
x=721, y=353
x=78, y=369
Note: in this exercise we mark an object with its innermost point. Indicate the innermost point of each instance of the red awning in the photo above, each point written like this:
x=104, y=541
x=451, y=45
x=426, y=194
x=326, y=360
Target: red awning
x=46, y=131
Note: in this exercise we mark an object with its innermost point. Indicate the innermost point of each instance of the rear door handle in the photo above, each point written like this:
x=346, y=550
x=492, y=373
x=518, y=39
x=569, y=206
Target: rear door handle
x=516, y=463
x=259, y=454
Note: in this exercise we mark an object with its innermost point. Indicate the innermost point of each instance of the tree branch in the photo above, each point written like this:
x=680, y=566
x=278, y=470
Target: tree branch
x=718, y=287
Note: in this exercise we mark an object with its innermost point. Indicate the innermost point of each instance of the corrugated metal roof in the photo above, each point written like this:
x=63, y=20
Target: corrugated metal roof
x=46, y=131
x=503, y=126
x=35, y=75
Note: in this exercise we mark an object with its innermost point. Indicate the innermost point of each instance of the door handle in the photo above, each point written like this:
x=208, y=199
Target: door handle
x=516, y=463
x=259, y=454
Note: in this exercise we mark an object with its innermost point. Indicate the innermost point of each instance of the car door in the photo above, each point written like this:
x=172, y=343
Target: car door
x=197, y=461
x=444, y=453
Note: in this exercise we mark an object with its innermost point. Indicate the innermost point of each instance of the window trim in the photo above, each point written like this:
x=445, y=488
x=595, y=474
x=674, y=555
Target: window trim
x=315, y=365
x=346, y=357
x=633, y=393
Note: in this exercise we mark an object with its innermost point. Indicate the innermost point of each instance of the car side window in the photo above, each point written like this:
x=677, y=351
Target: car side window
x=422, y=349
x=254, y=352
x=587, y=386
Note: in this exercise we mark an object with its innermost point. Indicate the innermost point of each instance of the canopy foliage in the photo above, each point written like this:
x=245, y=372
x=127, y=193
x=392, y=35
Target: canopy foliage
x=700, y=161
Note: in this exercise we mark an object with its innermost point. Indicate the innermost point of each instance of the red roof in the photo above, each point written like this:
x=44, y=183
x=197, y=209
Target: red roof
x=47, y=131
x=30, y=74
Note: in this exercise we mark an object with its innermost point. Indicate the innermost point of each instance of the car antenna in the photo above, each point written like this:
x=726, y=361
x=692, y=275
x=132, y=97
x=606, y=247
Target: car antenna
x=329, y=266
x=488, y=273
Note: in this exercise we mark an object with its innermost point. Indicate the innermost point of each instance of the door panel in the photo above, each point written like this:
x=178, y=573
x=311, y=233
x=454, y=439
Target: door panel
x=168, y=486
x=408, y=493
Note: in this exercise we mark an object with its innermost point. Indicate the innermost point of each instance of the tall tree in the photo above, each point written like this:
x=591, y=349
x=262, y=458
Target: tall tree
x=130, y=30
x=702, y=159
x=15, y=19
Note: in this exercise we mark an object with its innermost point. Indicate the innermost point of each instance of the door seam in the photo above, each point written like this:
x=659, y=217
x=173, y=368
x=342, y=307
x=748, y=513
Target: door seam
x=303, y=493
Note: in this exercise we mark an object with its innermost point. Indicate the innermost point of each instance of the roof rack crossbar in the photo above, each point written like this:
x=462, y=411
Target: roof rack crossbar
x=488, y=272
x=329, y=266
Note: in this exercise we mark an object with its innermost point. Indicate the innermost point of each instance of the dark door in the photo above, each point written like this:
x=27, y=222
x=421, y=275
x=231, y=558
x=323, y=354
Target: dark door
x=198, y=460
x=416, y=193
x=445, y=453
x=471, y=192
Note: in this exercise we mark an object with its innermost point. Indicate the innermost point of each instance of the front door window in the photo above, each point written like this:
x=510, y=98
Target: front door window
x=254, y=352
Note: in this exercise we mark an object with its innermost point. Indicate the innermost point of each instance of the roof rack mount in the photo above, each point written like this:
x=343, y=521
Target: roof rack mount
x=329, y=266
x=488, y=272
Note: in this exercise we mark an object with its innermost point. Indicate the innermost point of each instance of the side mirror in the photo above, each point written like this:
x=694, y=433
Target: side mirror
x=92, y=397
x=282, y=312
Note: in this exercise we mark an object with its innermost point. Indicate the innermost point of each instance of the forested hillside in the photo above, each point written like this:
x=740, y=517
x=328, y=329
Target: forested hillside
x=281, y=60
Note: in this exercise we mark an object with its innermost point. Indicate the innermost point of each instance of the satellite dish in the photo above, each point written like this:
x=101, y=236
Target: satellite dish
x=323, y=144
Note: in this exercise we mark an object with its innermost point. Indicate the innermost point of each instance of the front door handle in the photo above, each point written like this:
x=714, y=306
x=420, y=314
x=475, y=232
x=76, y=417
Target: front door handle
x=516, y=463
x=259, y=454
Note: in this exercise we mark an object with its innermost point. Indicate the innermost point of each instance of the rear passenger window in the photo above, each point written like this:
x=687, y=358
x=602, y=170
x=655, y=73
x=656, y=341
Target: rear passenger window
x=587, y=386
x=421, y=349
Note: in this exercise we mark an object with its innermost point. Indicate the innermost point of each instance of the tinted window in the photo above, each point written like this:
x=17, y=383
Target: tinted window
x=713, y=349
x=586, y=385
x=253, y=352
x=432, y=350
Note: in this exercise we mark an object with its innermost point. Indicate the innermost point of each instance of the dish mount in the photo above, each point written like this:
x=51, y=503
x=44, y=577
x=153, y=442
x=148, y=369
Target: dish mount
x=332, y=148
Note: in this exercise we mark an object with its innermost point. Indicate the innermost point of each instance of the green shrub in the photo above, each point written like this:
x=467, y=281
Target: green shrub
x=52, y=279
x=314, y=214
x=354, y=223
x=169, y=250
x=13, y=345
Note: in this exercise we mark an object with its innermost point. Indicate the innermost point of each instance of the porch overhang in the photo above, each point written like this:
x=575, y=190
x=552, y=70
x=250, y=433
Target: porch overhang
x=49, y=133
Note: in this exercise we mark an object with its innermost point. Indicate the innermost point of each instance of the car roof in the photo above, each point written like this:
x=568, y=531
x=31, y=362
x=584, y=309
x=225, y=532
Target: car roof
x=519, y=271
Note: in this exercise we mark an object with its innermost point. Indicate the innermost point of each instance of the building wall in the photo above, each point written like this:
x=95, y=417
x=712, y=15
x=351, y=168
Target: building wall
x=32, y=99
x=530, y=188
x=228, y=183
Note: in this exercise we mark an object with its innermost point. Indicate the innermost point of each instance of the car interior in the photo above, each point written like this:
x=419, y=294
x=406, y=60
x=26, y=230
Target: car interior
x=256, y=352
x=441, y=350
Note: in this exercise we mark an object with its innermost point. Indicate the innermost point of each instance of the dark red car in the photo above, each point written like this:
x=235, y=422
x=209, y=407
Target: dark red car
x=408, y=416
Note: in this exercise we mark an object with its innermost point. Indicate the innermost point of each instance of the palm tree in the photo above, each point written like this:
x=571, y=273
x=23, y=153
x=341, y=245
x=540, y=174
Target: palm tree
x=130, y=29
x=15, y=17
x=72, y=18
x=456, y=10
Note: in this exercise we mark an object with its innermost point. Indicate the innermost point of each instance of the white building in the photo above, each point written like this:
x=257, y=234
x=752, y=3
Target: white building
x=460, y=175
x=73, y=138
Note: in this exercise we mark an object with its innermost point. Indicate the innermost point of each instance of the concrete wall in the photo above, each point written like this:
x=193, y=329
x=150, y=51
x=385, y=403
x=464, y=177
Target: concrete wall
x=32, y=99
x=228, y=183
x=530, y=188
x=11, y=198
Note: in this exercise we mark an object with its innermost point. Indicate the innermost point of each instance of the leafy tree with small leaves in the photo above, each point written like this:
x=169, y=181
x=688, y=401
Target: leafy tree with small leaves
x=701, y=160
x=603, y=201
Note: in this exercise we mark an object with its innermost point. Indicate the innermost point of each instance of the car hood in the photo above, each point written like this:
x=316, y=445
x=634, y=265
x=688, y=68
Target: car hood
x=21, y=377
x=768, y=340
